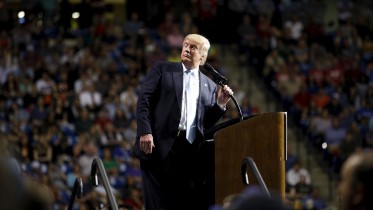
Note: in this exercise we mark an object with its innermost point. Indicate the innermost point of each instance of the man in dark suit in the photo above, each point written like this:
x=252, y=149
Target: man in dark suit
x=176, y=104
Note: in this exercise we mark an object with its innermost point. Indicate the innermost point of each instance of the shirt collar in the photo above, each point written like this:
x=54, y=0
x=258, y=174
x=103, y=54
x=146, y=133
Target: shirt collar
x=195, y=70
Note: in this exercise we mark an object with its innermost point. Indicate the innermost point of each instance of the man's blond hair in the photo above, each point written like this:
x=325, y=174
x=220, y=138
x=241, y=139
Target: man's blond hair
x=203, y=42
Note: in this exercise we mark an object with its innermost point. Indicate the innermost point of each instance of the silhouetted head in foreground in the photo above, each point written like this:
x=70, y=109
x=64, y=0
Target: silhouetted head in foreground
x=254, y=198
x=356, y=185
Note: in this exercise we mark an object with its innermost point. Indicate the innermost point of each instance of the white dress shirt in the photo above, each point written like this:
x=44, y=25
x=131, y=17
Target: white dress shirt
x=195, y=83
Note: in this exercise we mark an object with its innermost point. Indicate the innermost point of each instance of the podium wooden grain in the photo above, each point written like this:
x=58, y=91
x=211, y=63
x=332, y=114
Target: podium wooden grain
x=263, y=138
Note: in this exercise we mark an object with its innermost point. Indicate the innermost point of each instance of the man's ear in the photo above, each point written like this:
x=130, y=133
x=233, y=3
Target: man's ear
x=202, y=59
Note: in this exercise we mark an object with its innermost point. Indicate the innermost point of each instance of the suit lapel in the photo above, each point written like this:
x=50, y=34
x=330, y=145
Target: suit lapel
x=202, y=84
x=178, y=81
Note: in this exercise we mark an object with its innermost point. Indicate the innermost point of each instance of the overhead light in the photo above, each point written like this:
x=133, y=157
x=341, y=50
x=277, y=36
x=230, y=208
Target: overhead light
x=75, y=15
x=21, y=14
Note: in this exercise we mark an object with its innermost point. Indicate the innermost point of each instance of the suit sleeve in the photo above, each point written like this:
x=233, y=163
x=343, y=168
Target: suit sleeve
x=147, y=98
x=214, y=113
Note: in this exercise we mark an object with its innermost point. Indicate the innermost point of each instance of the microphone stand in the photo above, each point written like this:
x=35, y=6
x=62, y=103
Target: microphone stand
x=249, y=161
x=220, y=80
x=77, y=192
x=98, y=165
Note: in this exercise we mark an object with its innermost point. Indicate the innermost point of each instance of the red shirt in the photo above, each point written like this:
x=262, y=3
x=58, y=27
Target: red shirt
x=335, y=75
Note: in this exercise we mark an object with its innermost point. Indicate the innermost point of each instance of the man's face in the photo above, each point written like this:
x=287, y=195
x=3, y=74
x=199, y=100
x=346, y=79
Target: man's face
x=191, y=54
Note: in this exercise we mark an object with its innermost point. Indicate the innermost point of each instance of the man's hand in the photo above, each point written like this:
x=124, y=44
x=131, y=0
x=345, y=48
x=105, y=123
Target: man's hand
x=146, y=143
x=223, y=95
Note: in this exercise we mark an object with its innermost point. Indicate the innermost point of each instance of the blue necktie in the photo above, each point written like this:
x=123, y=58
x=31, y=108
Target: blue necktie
x=191, y=106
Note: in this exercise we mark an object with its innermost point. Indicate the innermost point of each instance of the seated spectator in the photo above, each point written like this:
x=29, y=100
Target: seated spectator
x=302, y=188
x=321, y=98
x=293, y=176
x=173, y=55
x=334, y=136
x=72, y=175
x=128, y=98
x=123, y=155
x=39, y=113
x=134, y=200
x=110, y=136
x=121, y=120
x=273, y=63
x=90, y=98
x=334, y=107
x=291, y=159
x=348, y=146
x=89, y=153
x=334, y=74
x=42, y=150
x=134, y=174
x=131, y=131
x=302, y=99
x=102, y=119
x=108, y=160
x=314, y=200
x=46, y=86
x=318, y=126
x=84, y=122
x=247, y=108
x=175, y=38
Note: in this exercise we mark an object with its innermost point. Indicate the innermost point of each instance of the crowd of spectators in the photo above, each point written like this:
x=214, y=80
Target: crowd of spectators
x=69, y=87
x=318, y=65
x=69, y=90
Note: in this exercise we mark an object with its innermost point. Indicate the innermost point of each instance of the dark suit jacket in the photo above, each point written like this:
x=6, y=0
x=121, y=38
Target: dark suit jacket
x=159, y=107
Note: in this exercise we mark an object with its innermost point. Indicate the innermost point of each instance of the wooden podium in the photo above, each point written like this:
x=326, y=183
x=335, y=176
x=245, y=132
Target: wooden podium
x=261, y=137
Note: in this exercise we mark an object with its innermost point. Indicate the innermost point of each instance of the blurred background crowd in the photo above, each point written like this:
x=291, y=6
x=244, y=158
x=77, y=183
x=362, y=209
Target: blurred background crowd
x=70, y=73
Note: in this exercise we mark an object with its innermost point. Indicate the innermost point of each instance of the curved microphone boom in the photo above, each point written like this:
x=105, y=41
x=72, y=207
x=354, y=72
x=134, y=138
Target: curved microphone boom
x=221, y=80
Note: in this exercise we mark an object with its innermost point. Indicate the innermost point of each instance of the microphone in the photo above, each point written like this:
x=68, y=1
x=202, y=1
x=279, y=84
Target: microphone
x=221, y=80
x=218, y=77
